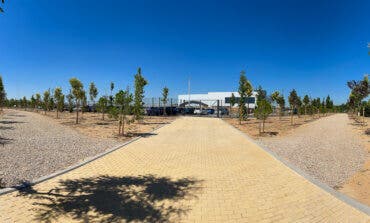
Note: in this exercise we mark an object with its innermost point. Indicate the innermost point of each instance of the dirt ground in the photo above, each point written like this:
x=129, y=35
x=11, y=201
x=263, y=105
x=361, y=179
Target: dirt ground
x=273, y=126
x=358, y=186
x=92, y=124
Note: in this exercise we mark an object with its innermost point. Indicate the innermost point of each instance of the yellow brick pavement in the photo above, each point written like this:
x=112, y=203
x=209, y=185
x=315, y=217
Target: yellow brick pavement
x=193, y=170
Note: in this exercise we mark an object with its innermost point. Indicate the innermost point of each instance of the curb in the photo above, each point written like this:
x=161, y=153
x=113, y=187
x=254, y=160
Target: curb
x=350, y=201
x=70, y=168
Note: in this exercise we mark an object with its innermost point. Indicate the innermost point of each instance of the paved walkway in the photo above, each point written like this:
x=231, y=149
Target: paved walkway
x=193, y=170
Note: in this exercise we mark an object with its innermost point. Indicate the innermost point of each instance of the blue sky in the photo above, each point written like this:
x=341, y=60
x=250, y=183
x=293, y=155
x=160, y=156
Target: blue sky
x=312, y=46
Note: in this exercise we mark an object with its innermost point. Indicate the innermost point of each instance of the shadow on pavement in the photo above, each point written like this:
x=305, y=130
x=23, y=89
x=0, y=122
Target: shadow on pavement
x=114, y=199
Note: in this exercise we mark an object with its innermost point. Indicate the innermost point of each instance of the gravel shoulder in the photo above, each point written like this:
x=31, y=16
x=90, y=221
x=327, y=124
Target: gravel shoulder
x=34, y=146
x=327, y=149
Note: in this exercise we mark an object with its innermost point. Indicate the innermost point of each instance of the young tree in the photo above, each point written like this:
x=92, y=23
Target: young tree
x=329, y=103
x=281, y=102
x=263, y=110
x=93, y=92
x=38, y=101
x=70, y=101
x=102, y=105
x=33, y=102
x=24, y=103
x=261, y=94
x=242, y=94
x=84, y=102
x=293, y=101
x=78, y=93
x=232, y=100
x=46, y=100
x=248, y=92
x=164, y=99
x=279, y=99
x=306, y=102
x=122, y=101
x=2, y=94
x=111, y=93
x=140, y=83
x=359, y=91
x=59, y=98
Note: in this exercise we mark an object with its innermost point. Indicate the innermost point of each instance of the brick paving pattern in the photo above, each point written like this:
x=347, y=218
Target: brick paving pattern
x=193, y=170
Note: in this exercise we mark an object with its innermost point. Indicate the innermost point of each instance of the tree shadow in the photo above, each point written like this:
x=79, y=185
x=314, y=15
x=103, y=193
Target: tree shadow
x=114, y=199
x=6, y=128
x=144, y=134
x=4, y=140
x=10, y=122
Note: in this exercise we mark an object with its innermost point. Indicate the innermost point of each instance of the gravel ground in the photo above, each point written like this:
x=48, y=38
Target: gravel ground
x=34, y=146
x=327, y=149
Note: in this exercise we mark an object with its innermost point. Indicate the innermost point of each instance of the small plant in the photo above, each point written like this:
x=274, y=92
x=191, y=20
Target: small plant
x=93, y=92
x=245, y=90
x=121, y=110
x=102, y=105
x=263, y=110
x=46, y=101
x=78, y=93
x=59, y=98
x=140, y=83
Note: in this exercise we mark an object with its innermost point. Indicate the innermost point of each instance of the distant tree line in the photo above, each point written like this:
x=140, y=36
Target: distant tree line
x=117, y=106
x=297, y=106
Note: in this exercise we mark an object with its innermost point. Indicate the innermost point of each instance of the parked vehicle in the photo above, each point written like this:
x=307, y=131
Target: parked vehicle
x=210, y=111
x=223, y=111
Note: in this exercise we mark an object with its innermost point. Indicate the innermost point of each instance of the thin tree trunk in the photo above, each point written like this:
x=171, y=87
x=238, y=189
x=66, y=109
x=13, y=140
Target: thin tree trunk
x=57, y=113
x=103, y=115
x=259, y=127
x=247, y=110
x=77, y=108
x=263, y=125
x=291, y=115
x=123, y=127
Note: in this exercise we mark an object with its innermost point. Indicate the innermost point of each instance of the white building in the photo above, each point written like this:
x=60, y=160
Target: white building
x=210, y=99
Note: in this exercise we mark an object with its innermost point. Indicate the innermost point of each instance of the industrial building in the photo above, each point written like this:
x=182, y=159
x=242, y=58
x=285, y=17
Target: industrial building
x=212, y=98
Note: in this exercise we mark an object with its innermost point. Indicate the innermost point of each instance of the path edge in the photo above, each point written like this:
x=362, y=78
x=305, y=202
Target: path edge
x=346, y=199
x=75, y=166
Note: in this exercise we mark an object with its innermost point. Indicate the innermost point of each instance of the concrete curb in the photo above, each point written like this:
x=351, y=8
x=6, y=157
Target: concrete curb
x=357, y=205
x=68, y=169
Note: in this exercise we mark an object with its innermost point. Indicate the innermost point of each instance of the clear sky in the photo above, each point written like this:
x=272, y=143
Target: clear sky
x=313, y=46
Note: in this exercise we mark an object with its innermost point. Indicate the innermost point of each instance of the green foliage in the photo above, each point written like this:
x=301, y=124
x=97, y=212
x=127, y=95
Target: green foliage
x=232, y=99
x=111, y=98
x=263, y=110
x=306, y=100
x=279, y=99
x=245, y=90
x=46, y=100
x=119, y=112
x=294, y=100
x=102, y=105
x=140, y=83
x=33, y=102
x=70, y=98
x=59, y=99
x=359, y=91
x=78, y=93
x=38, y=100
x=93, y=92
x=261, y=94
x=165, y=98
